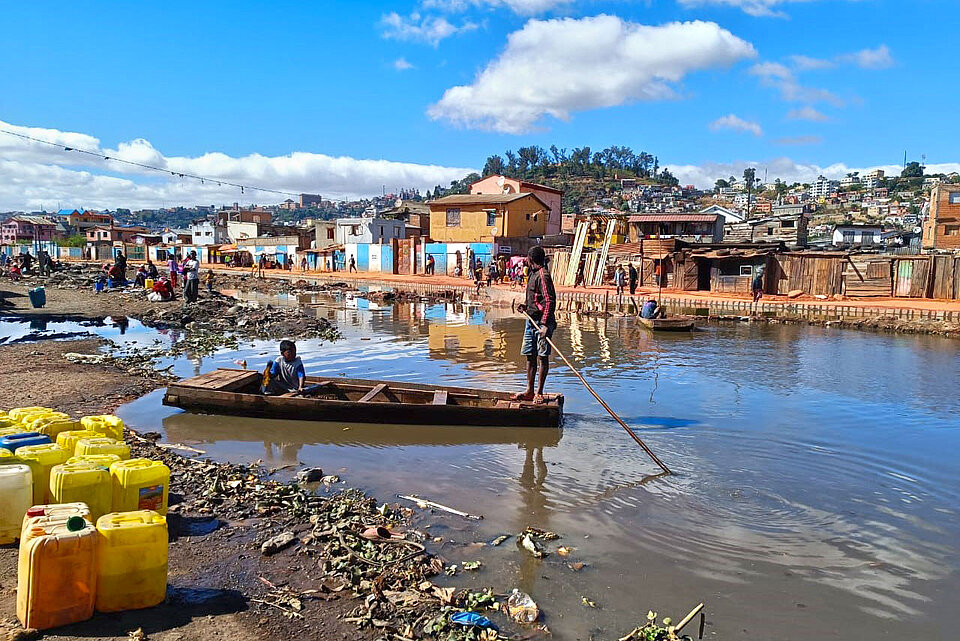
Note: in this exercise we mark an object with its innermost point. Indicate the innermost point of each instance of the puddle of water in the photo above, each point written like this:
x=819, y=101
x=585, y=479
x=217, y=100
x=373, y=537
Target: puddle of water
x=811, y=485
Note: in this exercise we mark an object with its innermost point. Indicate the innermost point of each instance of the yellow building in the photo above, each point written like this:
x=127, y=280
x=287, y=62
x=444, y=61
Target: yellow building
x=474, y=218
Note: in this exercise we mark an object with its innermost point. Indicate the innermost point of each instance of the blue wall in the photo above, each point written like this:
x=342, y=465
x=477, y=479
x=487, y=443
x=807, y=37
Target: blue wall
x=363, y=257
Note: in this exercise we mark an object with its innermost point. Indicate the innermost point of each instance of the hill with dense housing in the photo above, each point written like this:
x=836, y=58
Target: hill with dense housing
x=584, y=176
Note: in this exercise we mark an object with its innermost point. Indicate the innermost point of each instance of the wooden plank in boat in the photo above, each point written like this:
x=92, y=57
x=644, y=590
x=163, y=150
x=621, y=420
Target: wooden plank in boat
x=440, y=397
x=369, y=396
x=222, y=379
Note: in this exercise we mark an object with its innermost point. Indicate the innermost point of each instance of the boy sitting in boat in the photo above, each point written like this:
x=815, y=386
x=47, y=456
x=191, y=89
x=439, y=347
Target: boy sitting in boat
x=285, y=375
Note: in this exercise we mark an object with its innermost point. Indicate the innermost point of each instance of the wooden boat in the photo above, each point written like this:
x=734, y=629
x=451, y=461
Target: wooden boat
x=187, y=427
x=671, y=324
x=237, y=392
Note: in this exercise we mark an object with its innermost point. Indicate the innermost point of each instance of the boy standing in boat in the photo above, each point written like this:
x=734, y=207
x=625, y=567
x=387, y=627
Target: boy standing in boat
x=286, y=374
x=541, y=305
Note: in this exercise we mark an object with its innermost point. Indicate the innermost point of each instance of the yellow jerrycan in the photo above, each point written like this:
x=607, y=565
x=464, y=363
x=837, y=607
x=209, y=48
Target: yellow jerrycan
x=140, y=484
x=105, y=425
x=41, y=459
x=83, y=482
x=132, y=561
x=40, y=514
x=102, y=445
x=53, y=427
x=68, y=440
x=105, y=460
x=57, y=574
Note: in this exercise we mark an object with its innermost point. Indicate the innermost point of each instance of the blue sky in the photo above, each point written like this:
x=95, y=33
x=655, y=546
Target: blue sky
x=793, y=86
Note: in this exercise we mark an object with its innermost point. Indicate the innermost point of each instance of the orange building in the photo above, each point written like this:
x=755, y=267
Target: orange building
x=551, y=197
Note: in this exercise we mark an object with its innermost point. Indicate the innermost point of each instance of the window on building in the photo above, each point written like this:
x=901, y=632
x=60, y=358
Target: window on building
x=788, y=224
x=866, y=238
x=381, y=230
x=955, y=197
x=746, y=270
x=528, y=216
x=453, y=217
x=491, y=217
x=951, y=230
x=329, y=233
x=770, y=231
x=354, y=230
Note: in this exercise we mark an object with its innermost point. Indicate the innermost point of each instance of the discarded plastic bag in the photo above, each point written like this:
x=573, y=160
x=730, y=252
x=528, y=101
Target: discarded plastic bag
x=522, y=608
x=473, y=620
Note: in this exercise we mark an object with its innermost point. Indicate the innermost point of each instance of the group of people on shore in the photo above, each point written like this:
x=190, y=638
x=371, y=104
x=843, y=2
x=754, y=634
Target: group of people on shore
x=162, y=284
x=23, y=264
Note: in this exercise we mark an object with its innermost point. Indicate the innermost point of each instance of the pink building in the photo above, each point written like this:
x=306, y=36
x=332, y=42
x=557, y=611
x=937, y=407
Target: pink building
x=27, y=229
x=502, y=185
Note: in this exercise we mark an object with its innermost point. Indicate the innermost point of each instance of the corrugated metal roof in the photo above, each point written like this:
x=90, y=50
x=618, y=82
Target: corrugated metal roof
x=674, y=218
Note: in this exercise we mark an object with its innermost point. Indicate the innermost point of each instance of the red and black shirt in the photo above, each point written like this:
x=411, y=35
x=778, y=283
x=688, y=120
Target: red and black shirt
x=541, y=297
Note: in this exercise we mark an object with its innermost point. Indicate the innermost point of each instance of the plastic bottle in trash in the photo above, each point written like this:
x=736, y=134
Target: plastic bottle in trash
x=522, y=608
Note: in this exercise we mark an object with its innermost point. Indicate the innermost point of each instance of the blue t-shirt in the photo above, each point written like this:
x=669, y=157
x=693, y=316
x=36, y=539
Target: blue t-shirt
x=287, y=373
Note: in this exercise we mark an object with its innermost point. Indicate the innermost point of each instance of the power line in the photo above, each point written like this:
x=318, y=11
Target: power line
x=203, y=179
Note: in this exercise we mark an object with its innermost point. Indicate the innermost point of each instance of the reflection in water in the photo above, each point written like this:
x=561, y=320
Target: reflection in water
x=803, y=474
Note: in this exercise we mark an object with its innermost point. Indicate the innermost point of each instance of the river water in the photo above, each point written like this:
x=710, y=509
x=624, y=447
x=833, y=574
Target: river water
x=815, y=492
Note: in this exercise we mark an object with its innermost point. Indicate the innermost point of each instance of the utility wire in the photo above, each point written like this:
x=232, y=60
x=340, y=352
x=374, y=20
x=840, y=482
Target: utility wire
x=203, y=179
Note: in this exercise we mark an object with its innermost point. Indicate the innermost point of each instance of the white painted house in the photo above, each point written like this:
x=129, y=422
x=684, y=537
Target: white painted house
x=369, y=230
x=208, y=232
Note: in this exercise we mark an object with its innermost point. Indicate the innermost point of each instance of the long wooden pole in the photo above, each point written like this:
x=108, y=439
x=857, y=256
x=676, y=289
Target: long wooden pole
x=602, y=402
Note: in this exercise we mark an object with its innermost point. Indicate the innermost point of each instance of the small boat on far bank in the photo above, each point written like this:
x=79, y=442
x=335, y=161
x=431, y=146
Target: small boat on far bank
x=237, y=392
x=670, y=324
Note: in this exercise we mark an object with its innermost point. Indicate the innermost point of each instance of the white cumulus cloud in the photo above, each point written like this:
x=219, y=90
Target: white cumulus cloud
x=736, y=123
x=36, y=174
x=879, y=58
x=807, y=113
x=419, y=28
x=401, y=64
x=806, y=63
x=557, y=67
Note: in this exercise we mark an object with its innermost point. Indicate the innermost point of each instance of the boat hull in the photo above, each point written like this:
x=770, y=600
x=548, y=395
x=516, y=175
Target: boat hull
x=668, y=324
x=236, y=392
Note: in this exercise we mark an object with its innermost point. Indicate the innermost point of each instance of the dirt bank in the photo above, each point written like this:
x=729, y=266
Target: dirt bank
x=70, y=295
x=325, y=582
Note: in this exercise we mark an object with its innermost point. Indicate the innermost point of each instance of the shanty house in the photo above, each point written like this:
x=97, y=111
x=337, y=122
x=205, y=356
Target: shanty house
x=790, y=229
x=697, y=228
x=23, y=228
x=942, y=228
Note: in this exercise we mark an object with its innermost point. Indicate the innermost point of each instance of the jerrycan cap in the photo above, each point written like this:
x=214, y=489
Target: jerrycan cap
x=76, y=523
x=36, y=511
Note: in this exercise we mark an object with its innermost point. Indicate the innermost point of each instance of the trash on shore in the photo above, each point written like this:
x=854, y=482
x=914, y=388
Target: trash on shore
x=424, y=504
x=522, y=608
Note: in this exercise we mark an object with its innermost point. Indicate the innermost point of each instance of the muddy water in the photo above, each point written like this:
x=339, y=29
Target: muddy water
x=816, y=486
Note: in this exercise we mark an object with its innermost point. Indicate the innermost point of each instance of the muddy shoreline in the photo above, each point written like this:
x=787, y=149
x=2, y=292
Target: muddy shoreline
x=326, y=582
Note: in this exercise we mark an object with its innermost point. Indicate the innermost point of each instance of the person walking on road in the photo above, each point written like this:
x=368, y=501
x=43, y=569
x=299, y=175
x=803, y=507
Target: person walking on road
x=632, y=277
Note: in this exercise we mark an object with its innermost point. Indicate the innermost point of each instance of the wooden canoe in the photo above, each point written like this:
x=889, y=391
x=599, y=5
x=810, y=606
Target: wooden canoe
x=237, y=392
x=187, y=427
x=671, y=324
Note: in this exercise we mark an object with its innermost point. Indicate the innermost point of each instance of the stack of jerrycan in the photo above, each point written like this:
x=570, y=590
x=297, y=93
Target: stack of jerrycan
x=16, y=497
x=132, y=561
x=57, y=573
